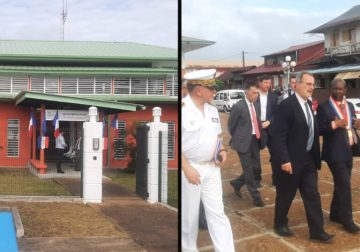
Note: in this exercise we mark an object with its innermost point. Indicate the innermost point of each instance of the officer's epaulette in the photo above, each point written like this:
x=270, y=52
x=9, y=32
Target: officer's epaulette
x=182, y=104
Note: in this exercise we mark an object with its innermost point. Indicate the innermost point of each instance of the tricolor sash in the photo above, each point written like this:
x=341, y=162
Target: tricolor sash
x=340, y=115
x=344, y=115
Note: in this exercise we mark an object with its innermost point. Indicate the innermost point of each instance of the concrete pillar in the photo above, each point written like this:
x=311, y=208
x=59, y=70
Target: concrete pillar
x=157, y=168
x=92, y=159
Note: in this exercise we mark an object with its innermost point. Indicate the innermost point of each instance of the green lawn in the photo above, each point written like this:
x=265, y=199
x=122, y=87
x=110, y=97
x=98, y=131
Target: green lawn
x=19, y=181
x=128, y=180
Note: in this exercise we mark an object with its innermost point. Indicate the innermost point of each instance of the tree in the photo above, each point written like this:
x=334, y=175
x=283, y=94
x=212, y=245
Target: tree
x=219, y=85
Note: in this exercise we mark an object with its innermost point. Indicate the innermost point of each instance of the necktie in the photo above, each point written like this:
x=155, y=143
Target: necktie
x=311, y=129
x=254, y=121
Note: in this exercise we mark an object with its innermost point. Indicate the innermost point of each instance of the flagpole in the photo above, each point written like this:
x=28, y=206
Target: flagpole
x=33, y=137
x=42, y=152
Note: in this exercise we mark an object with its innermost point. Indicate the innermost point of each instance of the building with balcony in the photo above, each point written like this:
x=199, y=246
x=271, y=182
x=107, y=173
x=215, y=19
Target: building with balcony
x=341, y=51
x=121, y=79
x=302, y=54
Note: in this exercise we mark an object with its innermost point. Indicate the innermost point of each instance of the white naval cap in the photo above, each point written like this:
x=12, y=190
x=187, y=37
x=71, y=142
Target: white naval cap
x=204, y=77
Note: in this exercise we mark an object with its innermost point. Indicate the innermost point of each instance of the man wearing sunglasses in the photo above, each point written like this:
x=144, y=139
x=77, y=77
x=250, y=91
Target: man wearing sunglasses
x=201, y=155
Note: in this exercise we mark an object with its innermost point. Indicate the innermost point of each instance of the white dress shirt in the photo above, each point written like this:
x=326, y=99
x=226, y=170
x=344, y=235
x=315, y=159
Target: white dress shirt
x=249, y=107
x=302, y=104
x=263, y=105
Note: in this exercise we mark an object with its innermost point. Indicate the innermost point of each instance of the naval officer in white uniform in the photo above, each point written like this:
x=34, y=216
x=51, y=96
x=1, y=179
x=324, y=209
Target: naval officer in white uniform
x=201, y=178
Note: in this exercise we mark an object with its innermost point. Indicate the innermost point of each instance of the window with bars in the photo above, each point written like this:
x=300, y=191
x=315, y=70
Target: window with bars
x=103, y=85
x=120, y=141
x=122, y=85
x=86, y=85
x=155, y=86
x=5, y=84
x=13, y=138
x=37, y=84
x=13, y=84
x=69, y=85
x=19, y=83
x=51, y=84
x=171, y=140
x=171, y=85
x=138, y=85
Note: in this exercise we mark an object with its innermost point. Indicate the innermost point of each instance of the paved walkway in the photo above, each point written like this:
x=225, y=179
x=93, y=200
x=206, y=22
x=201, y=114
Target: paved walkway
x=252, y=226
x=151, y=227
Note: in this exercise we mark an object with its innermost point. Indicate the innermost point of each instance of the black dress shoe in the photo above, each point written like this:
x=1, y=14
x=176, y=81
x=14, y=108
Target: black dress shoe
x=236, y=189
x=323, y=237
x=60, y=171
x=259, y=203
x=283, y=231
x=352, y=228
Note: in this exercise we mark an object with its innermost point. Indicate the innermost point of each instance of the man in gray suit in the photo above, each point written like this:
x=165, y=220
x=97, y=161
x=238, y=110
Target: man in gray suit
x=245, y=129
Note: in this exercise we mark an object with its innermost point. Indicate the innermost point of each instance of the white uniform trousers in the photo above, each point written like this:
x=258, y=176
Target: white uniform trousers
x=210, y=192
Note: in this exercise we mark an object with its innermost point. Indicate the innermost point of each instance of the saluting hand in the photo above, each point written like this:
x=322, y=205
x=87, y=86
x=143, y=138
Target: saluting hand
x=287, y=167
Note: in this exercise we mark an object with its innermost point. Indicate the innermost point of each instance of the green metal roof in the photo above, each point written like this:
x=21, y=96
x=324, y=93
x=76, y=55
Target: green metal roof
x=143, y=99
x=66, y=50
x=85, y=70
x=33, y=99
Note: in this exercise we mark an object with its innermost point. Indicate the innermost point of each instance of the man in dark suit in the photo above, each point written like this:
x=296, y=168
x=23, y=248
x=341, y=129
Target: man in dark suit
x=296, y=158
x=245, y=130
x=336, y=124
x=267, y=102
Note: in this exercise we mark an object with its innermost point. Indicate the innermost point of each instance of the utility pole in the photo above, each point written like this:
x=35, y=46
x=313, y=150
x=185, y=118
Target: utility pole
x=243, y=58
x=63, y=19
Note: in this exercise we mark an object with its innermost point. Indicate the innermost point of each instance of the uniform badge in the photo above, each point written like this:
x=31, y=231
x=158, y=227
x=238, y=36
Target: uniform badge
x=215, y=120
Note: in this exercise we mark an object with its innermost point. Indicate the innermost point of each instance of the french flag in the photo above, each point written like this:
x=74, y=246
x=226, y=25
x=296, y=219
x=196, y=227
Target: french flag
x=32, y=123
x=55, y=123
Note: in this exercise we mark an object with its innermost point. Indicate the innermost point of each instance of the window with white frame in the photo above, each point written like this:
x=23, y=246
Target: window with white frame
x=13, y=138
x=120, y=141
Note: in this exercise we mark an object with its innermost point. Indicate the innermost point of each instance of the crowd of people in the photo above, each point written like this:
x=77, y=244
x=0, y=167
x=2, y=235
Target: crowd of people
x=290, y=130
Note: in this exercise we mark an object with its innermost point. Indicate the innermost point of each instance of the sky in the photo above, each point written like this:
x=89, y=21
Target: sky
x=153, y=22
x=257, y=27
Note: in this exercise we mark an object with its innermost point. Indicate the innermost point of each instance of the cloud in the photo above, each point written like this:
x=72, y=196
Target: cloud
x=257, y=27
x=149, y=22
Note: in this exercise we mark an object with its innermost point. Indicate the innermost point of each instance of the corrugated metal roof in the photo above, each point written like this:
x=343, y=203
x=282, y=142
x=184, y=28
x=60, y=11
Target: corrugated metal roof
x=189, y=44
x=84, y=49
x=26, y=98
x=338, y=69
x=85, y=70
x=350, y=16
x=264, y=69
x=296, y=47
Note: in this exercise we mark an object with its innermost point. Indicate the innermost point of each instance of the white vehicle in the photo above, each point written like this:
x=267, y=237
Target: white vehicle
x=225, y=99
x=356, y=103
